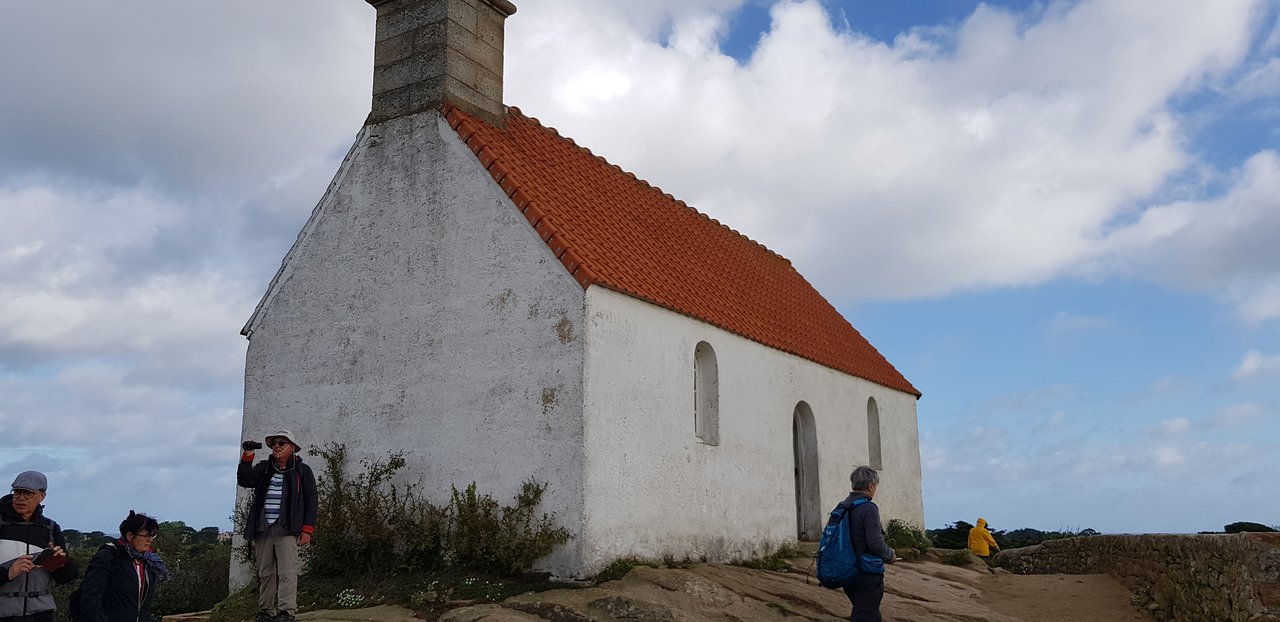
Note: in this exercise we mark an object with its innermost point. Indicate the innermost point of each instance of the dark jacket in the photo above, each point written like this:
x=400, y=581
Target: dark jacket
x=299, y=507
x=109, y=592
x=865, y=530
x=29, y=593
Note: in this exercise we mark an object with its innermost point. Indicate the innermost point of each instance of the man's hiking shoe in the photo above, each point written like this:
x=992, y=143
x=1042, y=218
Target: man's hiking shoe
x=265, y=617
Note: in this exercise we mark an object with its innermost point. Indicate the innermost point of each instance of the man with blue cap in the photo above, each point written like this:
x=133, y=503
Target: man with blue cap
x=32, y=552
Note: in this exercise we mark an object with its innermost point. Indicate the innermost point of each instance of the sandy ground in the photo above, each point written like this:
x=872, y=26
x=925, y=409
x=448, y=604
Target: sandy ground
x=1059, y=598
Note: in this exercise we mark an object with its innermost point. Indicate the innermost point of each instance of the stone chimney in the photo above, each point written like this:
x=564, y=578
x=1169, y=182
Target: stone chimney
x=431, y=51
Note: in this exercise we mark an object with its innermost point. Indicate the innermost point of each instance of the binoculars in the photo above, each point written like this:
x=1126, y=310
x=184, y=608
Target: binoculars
x=250, y=445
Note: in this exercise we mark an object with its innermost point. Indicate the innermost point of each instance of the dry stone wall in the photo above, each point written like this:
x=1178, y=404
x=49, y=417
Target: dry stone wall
x=1178, y=578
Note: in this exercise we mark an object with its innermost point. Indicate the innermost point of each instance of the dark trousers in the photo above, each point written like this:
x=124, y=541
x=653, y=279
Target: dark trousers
x=865, y=594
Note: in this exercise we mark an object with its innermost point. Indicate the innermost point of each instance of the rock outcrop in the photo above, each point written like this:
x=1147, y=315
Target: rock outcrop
x=926, y=592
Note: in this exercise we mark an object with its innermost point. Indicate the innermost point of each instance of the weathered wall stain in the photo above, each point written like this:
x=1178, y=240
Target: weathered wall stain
x=548, y=399
x=564, y=328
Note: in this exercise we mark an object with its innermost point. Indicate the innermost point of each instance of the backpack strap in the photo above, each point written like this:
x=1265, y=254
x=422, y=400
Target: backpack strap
x=853, y=541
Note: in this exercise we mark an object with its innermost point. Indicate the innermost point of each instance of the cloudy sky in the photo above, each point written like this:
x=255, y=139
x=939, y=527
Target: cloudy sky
x=1058, y=219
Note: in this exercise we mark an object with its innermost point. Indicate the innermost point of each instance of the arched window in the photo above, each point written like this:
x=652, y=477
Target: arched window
x=706, y=394
x=874, y=458
x=804, y=443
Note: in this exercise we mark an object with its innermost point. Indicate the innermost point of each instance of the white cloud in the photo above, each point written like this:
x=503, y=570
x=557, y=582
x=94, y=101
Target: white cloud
x=208, y=96
x=1262, y=82
x=1257, y=365
x=987, y=158
x=1223, y=245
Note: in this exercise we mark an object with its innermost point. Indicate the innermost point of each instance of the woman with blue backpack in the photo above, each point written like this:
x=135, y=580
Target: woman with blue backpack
x=866, y=590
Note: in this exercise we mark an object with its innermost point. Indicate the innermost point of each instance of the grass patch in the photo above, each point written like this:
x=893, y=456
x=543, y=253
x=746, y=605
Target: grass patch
x=620, y=567
x=775, y=561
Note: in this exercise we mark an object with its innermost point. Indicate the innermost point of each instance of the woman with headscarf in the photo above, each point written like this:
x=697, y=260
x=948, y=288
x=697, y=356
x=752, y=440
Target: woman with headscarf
x=121, y=582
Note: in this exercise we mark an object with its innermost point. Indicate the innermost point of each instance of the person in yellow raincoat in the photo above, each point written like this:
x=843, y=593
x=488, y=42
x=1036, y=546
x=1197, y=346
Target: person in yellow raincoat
x=980, y=540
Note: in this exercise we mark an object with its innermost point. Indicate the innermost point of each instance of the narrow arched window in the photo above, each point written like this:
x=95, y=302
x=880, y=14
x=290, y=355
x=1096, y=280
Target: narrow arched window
x=874, y=458
x=706, y=394
x=804, y=443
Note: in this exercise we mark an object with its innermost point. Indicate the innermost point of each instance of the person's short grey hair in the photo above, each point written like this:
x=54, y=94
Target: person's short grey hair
x=863, y=477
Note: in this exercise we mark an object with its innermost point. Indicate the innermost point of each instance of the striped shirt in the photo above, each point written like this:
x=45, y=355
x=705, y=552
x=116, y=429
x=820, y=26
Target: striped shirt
x=275, y=497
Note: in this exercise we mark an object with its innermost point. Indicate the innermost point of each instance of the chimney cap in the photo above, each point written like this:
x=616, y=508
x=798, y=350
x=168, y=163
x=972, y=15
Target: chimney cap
x=504, y=6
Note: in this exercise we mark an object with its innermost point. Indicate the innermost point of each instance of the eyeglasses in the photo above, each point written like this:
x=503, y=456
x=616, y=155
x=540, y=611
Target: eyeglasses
x=278, y=443
x=148, y=536
x=24, y=494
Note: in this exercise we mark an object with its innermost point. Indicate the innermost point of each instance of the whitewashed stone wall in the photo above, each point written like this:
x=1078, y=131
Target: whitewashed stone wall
x=419, y=312
x=652, y=489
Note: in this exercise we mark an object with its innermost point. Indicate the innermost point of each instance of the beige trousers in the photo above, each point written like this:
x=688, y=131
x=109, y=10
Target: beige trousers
x=277, y=557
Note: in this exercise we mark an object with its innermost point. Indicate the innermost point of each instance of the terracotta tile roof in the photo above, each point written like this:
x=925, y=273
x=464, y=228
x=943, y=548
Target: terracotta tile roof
x=612, y=229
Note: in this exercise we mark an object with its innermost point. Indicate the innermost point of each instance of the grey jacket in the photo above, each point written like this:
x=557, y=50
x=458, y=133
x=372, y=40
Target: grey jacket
x=29, y=593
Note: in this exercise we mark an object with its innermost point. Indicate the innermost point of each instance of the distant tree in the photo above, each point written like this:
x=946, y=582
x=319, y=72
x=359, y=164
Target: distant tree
x=953, y=536
x=1246, y=526
x=956, y=536
x=77, y=540
x=208, y=535
x=1016, y=538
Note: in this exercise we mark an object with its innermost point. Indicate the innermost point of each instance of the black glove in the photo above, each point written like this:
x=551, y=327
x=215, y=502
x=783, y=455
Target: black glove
x=250, y=445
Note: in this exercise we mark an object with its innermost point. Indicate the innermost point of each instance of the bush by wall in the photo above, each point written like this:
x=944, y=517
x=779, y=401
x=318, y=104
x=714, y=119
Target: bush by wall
x=372, y=525
x=907, y=540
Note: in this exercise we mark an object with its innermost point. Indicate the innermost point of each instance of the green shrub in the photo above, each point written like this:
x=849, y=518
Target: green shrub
x=504, y=540
x=200, y=579
x=906, y=539
x=358, y=514
x=958, y=558
x=370, y=524
x=421, y=540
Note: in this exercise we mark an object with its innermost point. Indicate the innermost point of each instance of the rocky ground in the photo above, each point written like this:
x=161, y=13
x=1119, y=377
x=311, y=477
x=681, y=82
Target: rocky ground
x=923, y=591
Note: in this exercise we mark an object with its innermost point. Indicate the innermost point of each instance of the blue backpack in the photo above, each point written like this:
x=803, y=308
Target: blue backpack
x=838, y=563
